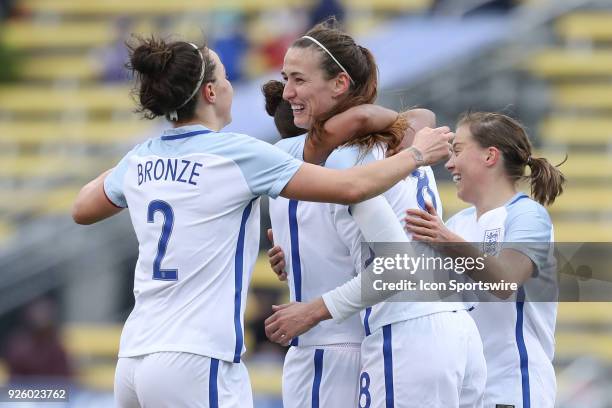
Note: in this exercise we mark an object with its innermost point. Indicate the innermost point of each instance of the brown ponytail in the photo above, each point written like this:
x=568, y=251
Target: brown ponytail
x=509, y=136
x=546, y=180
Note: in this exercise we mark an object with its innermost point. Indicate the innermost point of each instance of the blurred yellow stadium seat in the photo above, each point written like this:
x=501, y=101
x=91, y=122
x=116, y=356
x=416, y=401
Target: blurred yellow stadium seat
x=91, y=340
x=577, y=130
x=33, y=201
x=98, y=376
x=52, y=166
x=574, y=345
x=582, y=231
x=98, y=132
x=263, y=275
x=14, y=202
x=4, y=375
x=363, y=23
x=28, y=99
x=152, y=7
x=6, y=230
x=575, y=198
x=266, y=379
x=407, y=6
x=586, y=26
x=585, y=313
x=555, y=63
x=583, y=165
x=54, y=67
x=58, y=201
x=583, y=96
x=25, y=34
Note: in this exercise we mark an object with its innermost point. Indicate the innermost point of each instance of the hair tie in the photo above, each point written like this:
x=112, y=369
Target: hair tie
x=331, y=56
x=529, y=160
x=173, y=114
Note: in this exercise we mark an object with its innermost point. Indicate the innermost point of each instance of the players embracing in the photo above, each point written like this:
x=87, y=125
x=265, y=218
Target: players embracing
x=407, y=349
x=413, y=354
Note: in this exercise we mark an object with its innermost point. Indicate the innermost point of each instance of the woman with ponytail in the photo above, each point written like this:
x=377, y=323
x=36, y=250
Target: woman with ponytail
x=491, y=154
x=409, y=347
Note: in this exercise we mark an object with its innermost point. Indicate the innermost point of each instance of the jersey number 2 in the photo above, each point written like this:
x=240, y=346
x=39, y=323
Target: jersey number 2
x=166, y=210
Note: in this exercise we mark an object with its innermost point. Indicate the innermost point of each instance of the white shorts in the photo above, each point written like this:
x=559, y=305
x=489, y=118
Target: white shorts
x=173, y=379
x=432, y=361
x=321, y=376
x=535, y=386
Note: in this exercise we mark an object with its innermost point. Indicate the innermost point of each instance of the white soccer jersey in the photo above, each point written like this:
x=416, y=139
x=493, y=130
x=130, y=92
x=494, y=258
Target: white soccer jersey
x=317, y=258
x=518, y=336
x=192, y=197
x=327, y=237
x=412, y=192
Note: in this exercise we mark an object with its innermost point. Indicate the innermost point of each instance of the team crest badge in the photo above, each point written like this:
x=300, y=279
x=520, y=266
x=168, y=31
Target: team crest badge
x=491, y=244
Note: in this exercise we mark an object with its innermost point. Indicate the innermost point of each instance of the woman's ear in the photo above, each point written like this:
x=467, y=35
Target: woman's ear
x=342, y=83
x=208, y=92
x=493, y=156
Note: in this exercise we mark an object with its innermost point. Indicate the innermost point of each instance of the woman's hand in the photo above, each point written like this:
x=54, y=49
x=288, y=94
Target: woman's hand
x=427, y=226
x=434, y=144
x=276, y=257
x=292, y=319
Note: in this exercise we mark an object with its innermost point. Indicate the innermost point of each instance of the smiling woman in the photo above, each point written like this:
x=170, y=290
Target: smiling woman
x=491, y=153
x=326, y=73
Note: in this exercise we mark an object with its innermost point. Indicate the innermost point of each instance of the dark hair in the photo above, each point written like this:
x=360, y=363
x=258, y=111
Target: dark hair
x=280, y=109
x=167, y=73
x=509, y=136
x=361, y=67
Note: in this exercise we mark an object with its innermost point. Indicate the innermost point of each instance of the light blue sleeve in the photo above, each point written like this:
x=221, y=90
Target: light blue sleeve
x=528, y=230
x=266, y=168
x=113, y=183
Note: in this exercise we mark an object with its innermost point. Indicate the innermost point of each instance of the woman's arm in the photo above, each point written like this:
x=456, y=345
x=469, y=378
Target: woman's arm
x=356, y=121
x=92, y=204
x=378, y=223
x=509, y=266
x=417, y=119
x=362, y=120
x=315, y=183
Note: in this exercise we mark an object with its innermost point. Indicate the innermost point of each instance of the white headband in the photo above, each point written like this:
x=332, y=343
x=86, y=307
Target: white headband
x=332, y=57
x=173, y=115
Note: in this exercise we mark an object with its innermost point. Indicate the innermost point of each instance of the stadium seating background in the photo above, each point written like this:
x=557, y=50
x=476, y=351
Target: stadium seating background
x=66, y=114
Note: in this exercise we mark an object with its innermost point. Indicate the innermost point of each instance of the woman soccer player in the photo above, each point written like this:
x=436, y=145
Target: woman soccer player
x=327, y=73
x=322, y=368
x=490, y=154
x=192, y=197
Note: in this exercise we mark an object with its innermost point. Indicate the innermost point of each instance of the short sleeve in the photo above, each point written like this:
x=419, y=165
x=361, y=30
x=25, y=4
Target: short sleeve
x=529, y=231
x=530, y=226
x=113, y=183
x=266, y=168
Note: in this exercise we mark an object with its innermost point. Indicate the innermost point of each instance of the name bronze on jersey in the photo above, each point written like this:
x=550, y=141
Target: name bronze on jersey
x=178, y=170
